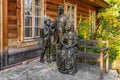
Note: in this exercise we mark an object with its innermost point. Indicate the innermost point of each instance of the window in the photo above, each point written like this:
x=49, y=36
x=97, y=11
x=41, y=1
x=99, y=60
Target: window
x=32, y=18
x=71, y=13
x=92, y=15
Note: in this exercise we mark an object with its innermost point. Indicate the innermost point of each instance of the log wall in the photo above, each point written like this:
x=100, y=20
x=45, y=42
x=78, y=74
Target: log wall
x=13, y=21
x=50, y=9
x=83, y=10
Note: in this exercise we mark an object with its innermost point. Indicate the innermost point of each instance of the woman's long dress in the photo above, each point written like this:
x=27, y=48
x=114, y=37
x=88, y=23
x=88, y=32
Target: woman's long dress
x=66, y=56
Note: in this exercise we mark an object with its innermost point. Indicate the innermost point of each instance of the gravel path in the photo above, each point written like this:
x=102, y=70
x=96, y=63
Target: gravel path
x=35, y=70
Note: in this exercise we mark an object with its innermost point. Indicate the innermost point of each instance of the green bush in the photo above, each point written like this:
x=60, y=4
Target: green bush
x=108, y=28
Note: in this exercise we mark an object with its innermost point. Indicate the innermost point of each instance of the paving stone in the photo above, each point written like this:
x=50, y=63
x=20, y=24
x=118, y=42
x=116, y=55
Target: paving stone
x=35, y=70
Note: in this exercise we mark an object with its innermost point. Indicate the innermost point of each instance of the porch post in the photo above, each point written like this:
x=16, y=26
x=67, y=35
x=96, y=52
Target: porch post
x=1, y=33
x=4, y=34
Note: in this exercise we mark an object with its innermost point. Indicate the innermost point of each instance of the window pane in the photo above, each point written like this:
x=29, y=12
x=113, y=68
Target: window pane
x=37, y=11
x=68, y=10
x=28, y=11
x=73, y=22
x=37, y=17
x=37, y=31
x=28, y=21
x=37, y=21
x=28, y=7
x=73, y=9
x=28, y=32
x=92, y=18
x=72, y=16
x=37, y=2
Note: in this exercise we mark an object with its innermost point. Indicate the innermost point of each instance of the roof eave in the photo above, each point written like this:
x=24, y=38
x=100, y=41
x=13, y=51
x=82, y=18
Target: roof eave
x=100, y=3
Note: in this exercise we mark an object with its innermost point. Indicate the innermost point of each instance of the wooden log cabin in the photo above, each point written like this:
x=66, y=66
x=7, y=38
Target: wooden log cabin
x=21, y=22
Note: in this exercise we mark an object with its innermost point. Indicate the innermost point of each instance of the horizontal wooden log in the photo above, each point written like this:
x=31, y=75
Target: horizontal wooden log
x=83, y=17
x=51, y=7
x=84, y=4
x=24, y=49
x=12, y=22
x=12, y=12
x=81, y=9
x=71, y=1
x=54, y=2
x=51, y=13
x=12, y=17
x=12, y=26
x=12, y=31
x=94, y=56
x=12, y=35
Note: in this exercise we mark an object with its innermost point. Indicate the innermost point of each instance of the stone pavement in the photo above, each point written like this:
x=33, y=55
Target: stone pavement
x=35, y=70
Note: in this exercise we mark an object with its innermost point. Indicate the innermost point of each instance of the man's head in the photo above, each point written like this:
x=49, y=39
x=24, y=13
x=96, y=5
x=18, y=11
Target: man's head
x=60, y=9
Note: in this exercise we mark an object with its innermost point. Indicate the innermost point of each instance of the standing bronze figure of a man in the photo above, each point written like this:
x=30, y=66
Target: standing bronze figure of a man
x=61, y=23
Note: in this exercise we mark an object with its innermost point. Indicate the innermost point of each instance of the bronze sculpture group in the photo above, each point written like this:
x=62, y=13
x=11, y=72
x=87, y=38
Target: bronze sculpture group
x=65, y=40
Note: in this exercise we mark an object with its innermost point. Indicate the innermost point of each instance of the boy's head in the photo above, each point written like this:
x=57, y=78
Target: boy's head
x=48, y=21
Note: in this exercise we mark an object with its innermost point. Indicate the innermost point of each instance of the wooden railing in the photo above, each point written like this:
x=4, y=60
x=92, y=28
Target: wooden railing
x=94, y=49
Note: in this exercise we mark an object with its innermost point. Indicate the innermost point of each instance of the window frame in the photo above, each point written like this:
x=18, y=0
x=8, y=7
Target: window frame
x=92, y=14
x=33, y=37
x=75, y=13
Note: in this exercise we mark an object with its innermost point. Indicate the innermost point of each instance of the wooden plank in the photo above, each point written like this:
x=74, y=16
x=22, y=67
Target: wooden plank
x=57, y=1
x=54, y=2
x=22, y=21
x=51, y=7
x=83, y=14
x=1, y=33
x=82, y=9
x=12, y=5
x=12, y=12
x=5, y=33
x=18, y=19
x=12, y=22
x=12, y=35
x=83, y=4
x=99, y=3
x=12, y=17
x=62, y=1
x=51, y=13
x=71, y=1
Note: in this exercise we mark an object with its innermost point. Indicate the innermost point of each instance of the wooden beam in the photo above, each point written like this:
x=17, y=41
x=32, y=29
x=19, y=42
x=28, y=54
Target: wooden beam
x=22, y=21
x=18, y=19
x=5, y=33
x=1, y=41
x=54, y=2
